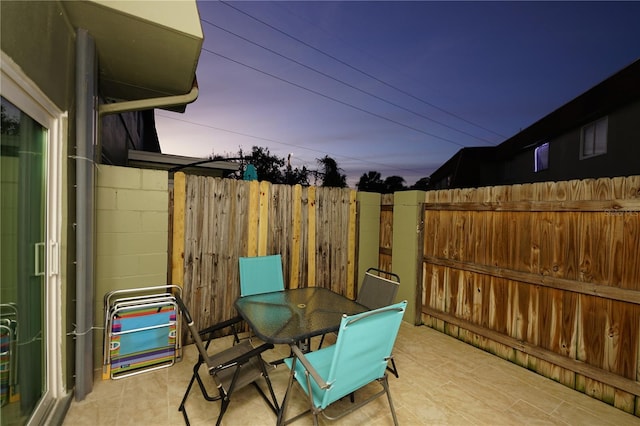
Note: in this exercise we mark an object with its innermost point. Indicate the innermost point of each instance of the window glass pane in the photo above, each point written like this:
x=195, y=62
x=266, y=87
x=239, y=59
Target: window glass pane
x=587, y=140
x=542, y=157
x=601, y=137
x=594, y=138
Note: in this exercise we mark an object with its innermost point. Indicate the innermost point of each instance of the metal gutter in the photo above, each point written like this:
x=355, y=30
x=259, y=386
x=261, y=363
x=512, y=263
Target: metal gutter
x=151, y=103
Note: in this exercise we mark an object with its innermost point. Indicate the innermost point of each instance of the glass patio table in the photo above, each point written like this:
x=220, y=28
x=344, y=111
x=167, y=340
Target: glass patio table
x=295, y=315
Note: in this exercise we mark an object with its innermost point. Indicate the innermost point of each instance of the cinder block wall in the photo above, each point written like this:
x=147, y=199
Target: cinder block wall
x=369, y=234
x=132, y=217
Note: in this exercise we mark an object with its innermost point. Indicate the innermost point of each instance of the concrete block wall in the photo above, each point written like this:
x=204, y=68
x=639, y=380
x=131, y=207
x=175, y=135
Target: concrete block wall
x=407, y=220
x=132, y=232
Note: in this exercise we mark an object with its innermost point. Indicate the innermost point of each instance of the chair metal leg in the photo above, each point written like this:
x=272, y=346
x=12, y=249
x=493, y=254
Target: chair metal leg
x=265, y=375
x=385, y=385
x=184, y=399
x=203, y=389
x=321, y=342
x=393, y=369
x=281, y=420
x=282, y=415
x=223, y=409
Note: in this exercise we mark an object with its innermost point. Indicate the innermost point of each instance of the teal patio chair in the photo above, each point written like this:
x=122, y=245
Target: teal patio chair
x=358, y=357
x=261, y=274
x=378, y=289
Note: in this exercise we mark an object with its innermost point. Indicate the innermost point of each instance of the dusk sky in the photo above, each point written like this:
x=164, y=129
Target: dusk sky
x=393, y=87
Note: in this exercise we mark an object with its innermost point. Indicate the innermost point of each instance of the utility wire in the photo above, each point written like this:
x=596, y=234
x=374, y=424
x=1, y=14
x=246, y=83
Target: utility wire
x=344, y=83
x=359, y=70
x=333, y=99
x=286, y=143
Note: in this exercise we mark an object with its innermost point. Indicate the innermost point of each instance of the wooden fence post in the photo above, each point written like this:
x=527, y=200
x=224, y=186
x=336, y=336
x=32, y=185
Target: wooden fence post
x=407, y=222
x=177, y=245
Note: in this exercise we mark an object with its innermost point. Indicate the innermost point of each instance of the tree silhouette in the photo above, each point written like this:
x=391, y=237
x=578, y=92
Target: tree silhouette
x=331, y=175
x=422, y=184
x=393, y=184
x=268, y=167
x=371, y=182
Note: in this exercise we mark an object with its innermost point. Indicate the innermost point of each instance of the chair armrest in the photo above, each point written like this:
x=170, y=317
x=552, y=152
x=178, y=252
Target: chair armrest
x=307, y=366
x=243, y=358
x=220, y=325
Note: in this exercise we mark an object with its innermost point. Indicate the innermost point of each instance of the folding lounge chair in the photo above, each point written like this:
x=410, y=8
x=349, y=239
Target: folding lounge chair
x=359, y=357
x=8, y=352
x=142, y=330
x=232, y=369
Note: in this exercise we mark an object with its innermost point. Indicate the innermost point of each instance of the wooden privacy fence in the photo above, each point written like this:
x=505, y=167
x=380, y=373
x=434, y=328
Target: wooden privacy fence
x=216, y=221
x=546, y=275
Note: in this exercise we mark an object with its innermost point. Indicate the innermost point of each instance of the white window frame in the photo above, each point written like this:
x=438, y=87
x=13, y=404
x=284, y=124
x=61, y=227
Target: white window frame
x=538, y=163
x=24, y=94
x=595, y=137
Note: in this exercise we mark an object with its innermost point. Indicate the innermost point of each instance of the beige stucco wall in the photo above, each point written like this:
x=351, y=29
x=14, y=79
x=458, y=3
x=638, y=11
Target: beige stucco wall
x=132, y=231
x=406, y=227
x=369, y=232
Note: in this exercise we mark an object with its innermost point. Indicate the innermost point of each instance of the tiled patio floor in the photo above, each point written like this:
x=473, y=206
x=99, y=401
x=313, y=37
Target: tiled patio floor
x=442, y=382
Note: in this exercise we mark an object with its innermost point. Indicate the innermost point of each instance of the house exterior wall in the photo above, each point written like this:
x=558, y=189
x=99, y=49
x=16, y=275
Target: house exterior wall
x=37, y=36
x=623, y=150
x=124, y=131
x=39, y=39
x=132, y=233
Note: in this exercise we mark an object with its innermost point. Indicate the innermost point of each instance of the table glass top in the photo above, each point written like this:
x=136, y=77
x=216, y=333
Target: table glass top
x=291, y=316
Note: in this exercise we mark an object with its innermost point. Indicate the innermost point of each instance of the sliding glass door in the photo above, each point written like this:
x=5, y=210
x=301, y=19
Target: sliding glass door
x=23, y=252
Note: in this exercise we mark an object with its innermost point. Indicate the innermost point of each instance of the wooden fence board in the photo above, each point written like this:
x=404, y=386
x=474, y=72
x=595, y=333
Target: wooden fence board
x=352, y=246
x=253, y=212
x=312, y=234
x=296, y=225
x=263, y=221
x=177, y=229
x=225, y=219
x=553, y=265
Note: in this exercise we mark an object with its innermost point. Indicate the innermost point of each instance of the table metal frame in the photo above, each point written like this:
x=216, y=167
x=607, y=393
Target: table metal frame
x=295, y=315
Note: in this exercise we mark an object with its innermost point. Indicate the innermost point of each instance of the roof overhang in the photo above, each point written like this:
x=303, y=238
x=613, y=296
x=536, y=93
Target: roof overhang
x=146, y=49
x=158, y=161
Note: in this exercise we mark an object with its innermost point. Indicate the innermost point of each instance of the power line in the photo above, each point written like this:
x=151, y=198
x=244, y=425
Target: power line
x=415, y=129
x=359, y=70
x=344, y=83
x=286, y=143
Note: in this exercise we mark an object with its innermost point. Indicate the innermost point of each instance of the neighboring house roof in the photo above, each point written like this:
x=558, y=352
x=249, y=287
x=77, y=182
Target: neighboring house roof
x=466, y=166
x=143, y=51
x=618, y=90
x=479, y=163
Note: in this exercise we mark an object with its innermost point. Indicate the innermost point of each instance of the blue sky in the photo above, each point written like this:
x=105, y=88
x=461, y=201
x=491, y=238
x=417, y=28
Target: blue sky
x=395, y=87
